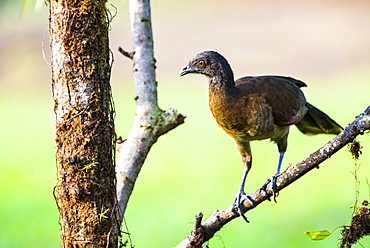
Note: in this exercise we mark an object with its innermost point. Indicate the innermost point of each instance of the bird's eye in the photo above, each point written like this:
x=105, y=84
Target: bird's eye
x=201, y=63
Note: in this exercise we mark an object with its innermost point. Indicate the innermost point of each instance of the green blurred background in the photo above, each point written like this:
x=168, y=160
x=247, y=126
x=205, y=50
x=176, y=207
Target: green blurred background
x=195, y=167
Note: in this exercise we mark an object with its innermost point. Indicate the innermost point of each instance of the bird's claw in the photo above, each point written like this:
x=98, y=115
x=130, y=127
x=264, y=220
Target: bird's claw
x=264, y=186
x=240, y=197
x=274, y=187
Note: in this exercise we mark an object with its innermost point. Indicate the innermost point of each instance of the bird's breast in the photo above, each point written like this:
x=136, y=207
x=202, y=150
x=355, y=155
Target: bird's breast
x=244, y=118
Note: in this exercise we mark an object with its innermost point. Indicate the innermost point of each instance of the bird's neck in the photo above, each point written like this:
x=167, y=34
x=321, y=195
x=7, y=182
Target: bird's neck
x=221, y=99
x=221, y=92
x=222, y=81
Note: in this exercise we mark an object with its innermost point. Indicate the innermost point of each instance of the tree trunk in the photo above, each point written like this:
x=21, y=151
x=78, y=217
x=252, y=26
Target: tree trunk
x=85, y=137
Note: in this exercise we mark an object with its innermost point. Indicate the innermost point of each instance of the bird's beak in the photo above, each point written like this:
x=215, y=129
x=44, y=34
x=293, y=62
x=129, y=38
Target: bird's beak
x=186, y=70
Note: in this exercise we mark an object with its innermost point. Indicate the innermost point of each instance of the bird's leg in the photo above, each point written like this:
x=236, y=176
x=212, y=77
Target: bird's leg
x=274, y=177
x=282, y=145
x=245, y=152
x=241, y=195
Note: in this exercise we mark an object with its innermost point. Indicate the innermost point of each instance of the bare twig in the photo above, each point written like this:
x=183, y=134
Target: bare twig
x=218, y=219
x=129, y=55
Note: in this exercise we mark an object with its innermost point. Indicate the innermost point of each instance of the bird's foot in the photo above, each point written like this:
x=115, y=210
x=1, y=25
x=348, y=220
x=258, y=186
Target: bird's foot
x=240, y=197
x=264, y=186
x=274, y=187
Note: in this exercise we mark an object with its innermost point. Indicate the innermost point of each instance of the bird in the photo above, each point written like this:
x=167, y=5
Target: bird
x=257, y=108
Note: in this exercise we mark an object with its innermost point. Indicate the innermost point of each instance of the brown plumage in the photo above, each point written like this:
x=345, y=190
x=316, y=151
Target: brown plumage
x=257, y=108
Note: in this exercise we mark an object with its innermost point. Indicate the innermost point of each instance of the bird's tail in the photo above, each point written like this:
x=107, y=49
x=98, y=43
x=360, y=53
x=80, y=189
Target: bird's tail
x=316, y=122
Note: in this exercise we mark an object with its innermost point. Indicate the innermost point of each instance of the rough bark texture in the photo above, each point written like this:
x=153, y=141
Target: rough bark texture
x=150, y=121
x=203, y=232
x=85, y=192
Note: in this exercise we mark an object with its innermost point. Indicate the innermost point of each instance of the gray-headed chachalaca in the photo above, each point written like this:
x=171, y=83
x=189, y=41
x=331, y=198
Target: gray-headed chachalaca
x=257, y=108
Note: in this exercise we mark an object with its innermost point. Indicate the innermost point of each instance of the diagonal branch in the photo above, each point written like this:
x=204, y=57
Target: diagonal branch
x=150, y=121
x=202, y=233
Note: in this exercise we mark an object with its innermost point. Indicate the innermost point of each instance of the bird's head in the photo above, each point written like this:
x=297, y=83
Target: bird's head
x=209, y=63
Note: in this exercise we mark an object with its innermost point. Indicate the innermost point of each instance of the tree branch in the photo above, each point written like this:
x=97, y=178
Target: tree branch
x=202, y=233
x=150, y=121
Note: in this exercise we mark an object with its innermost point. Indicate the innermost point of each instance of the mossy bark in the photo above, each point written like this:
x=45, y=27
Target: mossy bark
x=85, y=137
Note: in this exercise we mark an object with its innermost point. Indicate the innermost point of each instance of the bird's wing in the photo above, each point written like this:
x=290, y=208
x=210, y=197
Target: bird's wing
x=282, y=94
